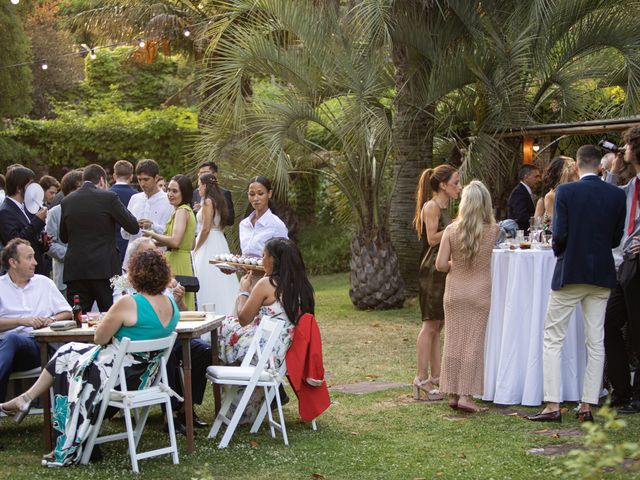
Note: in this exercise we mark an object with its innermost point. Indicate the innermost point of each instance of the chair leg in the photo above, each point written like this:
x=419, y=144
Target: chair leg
x=270, y=414
x=283, y=427
x=93, y=435
x=314, y=427
x=172, y=432
x=244, y=400
x=261, y=414
x=131, y=440
x=228, y=395
x=141, y=420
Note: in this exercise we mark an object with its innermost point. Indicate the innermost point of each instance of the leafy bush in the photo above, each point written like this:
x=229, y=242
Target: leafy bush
x=326, y=248
x=602, y=453
x=110, y=134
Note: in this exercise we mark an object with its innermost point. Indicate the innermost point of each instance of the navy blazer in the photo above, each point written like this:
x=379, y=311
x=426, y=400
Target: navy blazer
x=13, y=224
x=88, y=225
x=588, y=221
x=520, y=206
x=124, y=192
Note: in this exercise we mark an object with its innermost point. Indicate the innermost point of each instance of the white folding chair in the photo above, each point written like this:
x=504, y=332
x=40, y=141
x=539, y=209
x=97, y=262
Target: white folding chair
x=268, y=398
x=19, y=382
x=157, y=394
x=262, y=374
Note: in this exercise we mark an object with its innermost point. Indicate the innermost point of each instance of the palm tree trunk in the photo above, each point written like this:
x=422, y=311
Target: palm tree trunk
x=375, y=281
x=413, y=131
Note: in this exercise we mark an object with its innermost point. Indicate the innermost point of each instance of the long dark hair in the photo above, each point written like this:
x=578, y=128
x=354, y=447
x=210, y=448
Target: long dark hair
x=553, y=172
x=212, y=192
x=289, y=278
x=186, y=189
x=266, y=183
x=428, y=186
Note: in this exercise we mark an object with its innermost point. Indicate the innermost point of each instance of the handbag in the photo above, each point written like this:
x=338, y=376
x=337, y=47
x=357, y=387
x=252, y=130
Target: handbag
x=190, y=284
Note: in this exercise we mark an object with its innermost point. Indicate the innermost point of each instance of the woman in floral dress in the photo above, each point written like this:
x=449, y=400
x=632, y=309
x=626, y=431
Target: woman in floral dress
x=78, y=372
x=284, y=292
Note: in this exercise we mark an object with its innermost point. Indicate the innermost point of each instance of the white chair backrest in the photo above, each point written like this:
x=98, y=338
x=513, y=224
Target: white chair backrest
x=264, y=340
x=164, y=344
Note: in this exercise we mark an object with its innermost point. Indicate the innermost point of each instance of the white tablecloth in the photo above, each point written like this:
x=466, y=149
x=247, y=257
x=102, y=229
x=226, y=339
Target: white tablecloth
x=513, y=346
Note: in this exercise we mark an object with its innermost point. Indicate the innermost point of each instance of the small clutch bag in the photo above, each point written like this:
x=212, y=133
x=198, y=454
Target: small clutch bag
x=190, y=284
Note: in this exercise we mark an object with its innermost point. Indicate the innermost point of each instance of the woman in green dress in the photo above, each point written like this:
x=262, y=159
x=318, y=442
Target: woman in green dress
x=436, y=188
x=180, y=232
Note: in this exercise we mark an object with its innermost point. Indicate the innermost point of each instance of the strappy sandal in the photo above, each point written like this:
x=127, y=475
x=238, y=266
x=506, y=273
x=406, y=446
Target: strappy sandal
x=431, y=394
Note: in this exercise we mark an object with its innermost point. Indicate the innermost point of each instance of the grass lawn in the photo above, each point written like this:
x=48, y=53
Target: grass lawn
x=384, y=435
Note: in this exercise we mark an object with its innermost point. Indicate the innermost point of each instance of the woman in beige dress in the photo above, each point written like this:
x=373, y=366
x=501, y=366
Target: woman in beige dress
x=436, y=188
x=465, y=253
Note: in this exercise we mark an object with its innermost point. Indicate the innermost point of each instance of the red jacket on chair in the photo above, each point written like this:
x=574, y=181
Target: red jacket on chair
x=305, y=369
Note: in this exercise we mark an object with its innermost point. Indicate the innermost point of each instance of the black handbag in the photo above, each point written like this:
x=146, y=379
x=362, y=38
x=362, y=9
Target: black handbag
x=190, y=284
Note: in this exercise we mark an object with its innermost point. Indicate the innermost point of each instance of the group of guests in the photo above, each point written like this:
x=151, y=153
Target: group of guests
x=159, y=231
x=592, y=207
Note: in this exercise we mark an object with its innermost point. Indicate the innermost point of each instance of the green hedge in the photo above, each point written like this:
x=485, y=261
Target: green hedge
x=326, y=248
x=74, y=140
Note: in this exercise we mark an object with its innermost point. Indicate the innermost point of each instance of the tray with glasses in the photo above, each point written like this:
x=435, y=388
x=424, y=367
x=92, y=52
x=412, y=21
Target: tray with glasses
x=228, y=261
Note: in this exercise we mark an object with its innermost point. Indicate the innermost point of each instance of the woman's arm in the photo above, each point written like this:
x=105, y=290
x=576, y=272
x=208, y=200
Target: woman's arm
x=540, y=207
x=207, y=218
x=249, y=306
x=548, y=202
x=124, y=309
x=431, y=218
x=443, y=263
x=179, y=227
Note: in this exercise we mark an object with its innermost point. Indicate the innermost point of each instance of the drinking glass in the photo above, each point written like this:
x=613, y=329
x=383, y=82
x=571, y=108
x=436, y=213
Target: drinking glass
x=519, y=236
x=209, y=307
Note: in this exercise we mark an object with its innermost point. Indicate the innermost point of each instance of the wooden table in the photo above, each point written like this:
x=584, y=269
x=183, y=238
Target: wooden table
x=186, y=331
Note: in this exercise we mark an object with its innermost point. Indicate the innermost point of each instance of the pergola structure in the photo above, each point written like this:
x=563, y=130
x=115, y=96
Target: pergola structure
x=592, y=127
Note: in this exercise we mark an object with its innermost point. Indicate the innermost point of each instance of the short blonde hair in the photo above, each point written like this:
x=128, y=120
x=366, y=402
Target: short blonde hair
x=476, y=211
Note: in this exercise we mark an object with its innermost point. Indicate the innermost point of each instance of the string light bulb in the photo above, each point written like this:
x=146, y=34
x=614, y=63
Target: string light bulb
x=92, y=55
x=15, y=2
x=141, y=43
x=44, y=65
x=186, y=32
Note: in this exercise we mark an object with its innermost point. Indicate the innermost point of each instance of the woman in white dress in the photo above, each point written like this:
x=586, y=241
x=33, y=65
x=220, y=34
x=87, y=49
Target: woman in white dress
x=215, y=287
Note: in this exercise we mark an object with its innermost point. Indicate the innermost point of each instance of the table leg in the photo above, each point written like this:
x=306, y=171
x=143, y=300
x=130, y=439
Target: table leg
x=215, y=360
x=188, y=397
x=46, y=403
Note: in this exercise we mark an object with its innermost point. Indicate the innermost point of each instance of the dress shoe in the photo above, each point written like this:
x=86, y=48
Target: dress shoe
x=21, y=412
x=178, y=425
x=632, y=407
x=198, y=422
x=546, y=417
x=585, y=416
x=618, y=401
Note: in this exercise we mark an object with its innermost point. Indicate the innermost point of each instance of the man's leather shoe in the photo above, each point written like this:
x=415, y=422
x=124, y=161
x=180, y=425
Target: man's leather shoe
x=633, y=407
x=178, y=425
x=584, y=416
x=198, y=422
x=617, y=401
x=546, y=417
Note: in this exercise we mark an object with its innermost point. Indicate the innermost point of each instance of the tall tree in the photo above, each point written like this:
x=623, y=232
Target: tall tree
x=329, y=114
x=15, y=75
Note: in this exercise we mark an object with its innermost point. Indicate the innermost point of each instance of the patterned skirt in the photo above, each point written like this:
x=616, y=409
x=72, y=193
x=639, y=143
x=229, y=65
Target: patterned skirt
x=80, y=372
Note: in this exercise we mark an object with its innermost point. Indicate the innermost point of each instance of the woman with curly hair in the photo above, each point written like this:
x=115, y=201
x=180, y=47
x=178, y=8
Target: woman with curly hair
x=78, y=372
x=465, y=253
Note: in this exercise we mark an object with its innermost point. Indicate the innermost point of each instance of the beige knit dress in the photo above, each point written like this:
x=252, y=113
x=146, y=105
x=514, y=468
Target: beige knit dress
x=467, y=298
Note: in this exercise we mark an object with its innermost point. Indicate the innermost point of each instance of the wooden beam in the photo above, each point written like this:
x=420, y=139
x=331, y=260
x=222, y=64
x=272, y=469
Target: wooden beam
x=578, y=128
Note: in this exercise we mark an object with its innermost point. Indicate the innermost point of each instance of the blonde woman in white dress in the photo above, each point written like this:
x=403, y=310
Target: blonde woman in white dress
x=215, y=287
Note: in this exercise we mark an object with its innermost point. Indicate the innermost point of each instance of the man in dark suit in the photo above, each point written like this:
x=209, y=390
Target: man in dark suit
x=16, y=221
x=122, y=175
x=623, y=309
x=88, y=223
x=212, y=168
x=588, y=222
x=521, y=205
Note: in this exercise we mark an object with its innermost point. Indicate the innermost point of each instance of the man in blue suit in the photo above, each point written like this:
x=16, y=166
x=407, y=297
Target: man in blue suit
x=588, y=222
x=122, y=174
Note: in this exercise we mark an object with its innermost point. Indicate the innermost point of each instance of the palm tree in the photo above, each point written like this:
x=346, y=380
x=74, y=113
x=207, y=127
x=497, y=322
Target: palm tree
x=485, y=67
x=328, y=113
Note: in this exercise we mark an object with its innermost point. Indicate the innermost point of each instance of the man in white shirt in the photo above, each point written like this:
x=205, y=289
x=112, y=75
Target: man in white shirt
x=151, y=206
x=27, y=301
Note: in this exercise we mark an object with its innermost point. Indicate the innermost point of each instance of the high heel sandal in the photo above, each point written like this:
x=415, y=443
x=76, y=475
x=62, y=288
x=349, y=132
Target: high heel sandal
x=432, y=394
x=23, y=411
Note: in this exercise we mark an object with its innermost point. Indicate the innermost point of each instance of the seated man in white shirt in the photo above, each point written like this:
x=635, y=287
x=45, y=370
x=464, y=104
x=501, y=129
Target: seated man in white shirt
x=27, y=301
